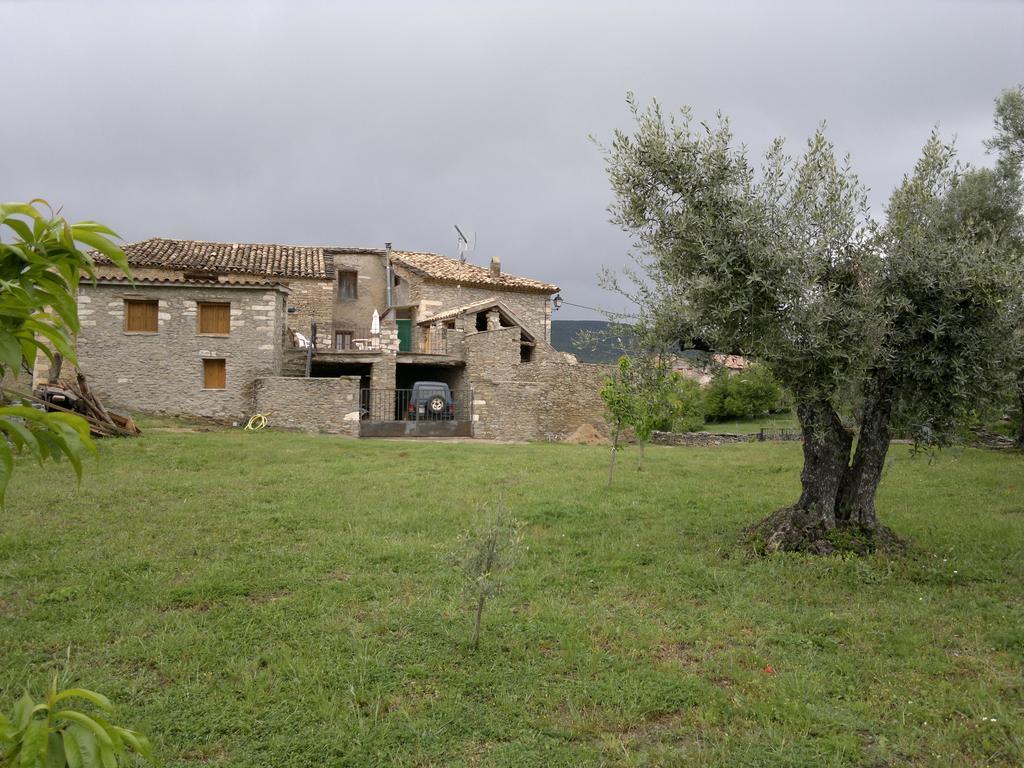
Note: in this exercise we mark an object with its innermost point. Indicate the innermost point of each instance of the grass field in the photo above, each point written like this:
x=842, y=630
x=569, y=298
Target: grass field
x=282, y=600
x=740, y=426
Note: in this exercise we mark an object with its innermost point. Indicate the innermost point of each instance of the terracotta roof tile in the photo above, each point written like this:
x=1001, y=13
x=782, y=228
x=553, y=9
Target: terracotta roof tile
x=313, y=261
x=173, y=281
x=240, y=258
x=436, y=267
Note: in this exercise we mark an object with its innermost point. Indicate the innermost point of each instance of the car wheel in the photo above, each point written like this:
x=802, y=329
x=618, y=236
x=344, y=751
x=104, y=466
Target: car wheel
x=436, y=405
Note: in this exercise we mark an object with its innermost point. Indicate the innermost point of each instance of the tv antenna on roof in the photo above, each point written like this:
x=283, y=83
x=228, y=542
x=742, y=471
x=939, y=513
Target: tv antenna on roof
x=465, y=244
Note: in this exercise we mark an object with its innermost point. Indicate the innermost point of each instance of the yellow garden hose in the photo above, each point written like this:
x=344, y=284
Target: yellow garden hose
x=257, y=422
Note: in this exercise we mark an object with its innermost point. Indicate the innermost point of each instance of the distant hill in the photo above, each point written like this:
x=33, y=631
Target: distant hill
x=606, y=350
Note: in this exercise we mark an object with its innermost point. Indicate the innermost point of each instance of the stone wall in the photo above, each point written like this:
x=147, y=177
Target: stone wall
x=534, y=309
x=312, y=405
x=162, y=372
x=311, y=300
x=548, y=398
x=355, y=314
x=703, y=439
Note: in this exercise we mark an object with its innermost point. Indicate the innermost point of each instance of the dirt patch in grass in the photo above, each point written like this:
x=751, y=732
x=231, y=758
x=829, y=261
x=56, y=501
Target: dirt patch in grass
x=477, y=751
x=262, y=598
x=679, y=653
x=675, y=728
x=198, y=606
x=214, y=753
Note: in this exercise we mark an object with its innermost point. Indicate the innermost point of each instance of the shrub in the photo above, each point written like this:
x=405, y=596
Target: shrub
x=685, y=405
x=749, y=394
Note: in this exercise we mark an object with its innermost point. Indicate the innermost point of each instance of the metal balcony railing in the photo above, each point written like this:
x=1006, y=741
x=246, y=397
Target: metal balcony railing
x=425, y=341
x=356, y=339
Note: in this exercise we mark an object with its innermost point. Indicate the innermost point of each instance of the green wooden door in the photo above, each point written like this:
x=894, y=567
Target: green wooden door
x=404, y=335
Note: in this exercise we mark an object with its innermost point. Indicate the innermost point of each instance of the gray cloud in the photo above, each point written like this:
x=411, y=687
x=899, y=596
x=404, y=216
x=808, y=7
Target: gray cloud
x=306, y=122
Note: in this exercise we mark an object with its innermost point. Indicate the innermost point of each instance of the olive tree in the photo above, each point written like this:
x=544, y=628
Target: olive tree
x=905, y=324
x=997, y=202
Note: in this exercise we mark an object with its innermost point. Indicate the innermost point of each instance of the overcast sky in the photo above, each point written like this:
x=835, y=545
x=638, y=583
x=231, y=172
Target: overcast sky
x=344, y=124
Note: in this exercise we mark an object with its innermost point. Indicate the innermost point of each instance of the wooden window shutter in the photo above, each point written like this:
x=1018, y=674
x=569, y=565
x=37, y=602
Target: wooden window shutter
x=141, y=316
x=215, y=318
x=215, y=374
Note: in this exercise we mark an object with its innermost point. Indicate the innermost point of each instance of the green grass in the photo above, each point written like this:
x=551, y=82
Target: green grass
x=741, y=426
x=282, y=600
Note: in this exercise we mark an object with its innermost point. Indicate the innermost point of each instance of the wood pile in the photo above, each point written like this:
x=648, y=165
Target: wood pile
x=102, y=423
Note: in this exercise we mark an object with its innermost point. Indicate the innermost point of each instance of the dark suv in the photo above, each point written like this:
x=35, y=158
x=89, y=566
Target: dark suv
x=430, y=400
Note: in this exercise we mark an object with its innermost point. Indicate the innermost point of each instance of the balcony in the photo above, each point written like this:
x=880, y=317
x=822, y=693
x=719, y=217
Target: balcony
x=357, y=340
x=417, y=340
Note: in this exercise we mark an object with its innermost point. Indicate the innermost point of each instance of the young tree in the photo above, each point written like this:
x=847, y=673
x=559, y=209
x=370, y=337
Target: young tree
x=619, y=402
x=55, y=733
x=484, y=558
x=786, y=265
x=647, y=395
x=662, y=400
x=40, y=268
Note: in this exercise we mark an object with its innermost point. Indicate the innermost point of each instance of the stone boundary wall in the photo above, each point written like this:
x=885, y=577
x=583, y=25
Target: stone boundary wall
x=548, y=398
x=311, y=405
x=703, y=439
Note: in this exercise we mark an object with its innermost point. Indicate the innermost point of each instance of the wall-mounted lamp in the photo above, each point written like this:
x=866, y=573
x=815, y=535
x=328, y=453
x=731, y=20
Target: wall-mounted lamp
x=557, y=301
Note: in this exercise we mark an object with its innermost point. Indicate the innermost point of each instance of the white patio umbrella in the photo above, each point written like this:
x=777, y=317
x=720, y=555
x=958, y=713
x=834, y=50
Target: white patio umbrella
x=375, y=322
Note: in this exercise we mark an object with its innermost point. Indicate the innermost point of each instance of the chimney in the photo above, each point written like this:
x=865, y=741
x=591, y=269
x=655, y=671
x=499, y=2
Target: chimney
x=495, y=266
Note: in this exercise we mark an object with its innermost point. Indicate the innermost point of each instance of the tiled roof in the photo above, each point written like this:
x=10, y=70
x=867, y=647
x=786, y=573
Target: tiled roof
x=448, y=314
x=436, y=267
x=314, y=261
x=478, y=306
x=240, y=258
x=173, y=281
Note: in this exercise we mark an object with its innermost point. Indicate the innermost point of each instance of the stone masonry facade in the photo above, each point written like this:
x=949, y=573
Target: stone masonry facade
x=311, y=405
x=488, y=333
x=532, y=308
x=547, y=398
x=162, y=372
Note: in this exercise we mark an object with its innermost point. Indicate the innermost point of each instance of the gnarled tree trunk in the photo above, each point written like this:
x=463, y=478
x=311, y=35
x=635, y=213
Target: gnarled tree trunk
x=856, y=503
x=806, y=525
x=836, y=494
x=826, y=455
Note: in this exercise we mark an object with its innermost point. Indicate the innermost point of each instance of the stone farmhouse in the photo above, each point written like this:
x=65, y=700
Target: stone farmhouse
x=331, y=339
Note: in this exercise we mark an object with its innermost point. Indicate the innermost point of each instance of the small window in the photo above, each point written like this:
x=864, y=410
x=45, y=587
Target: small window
x=214, y=319
x=215, y=374
x=347, y=284
x=343, y=340
x=140, y=316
